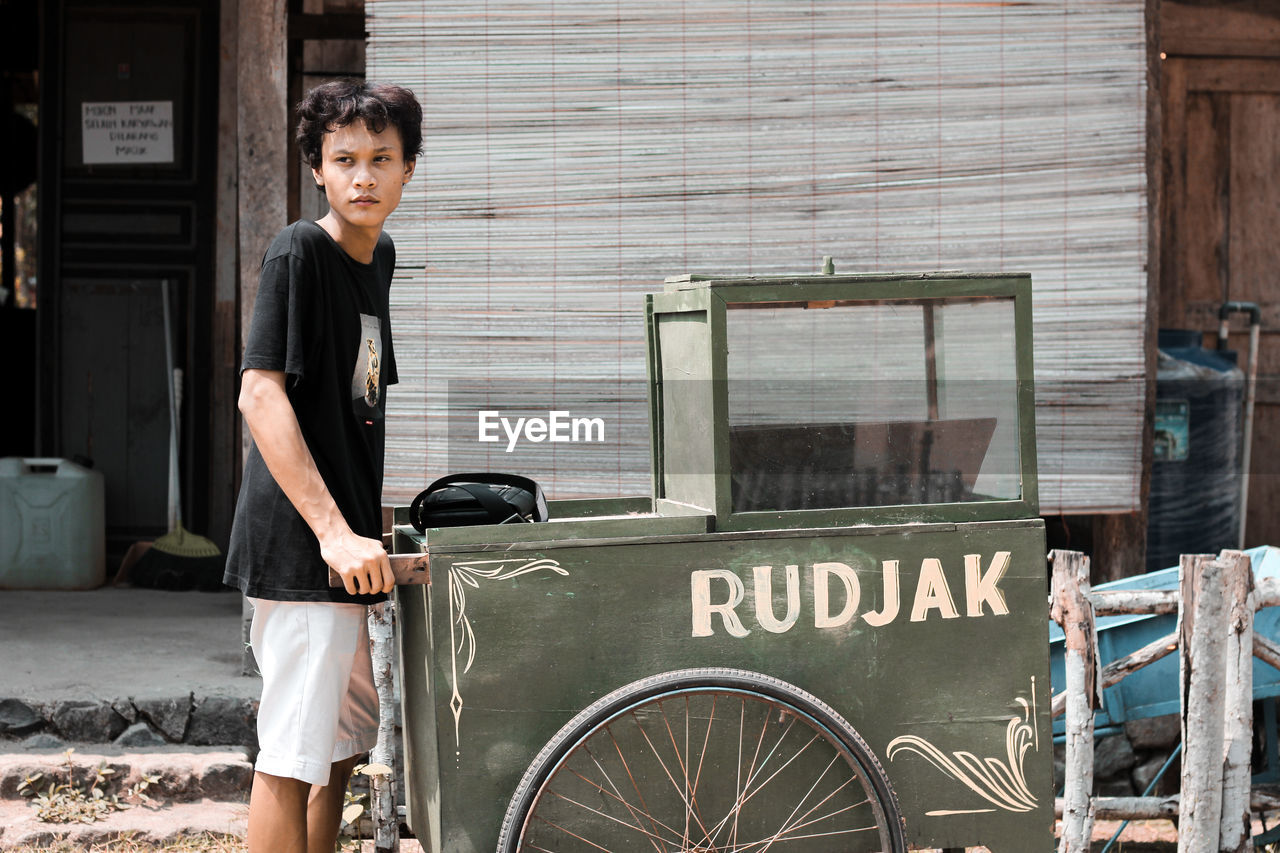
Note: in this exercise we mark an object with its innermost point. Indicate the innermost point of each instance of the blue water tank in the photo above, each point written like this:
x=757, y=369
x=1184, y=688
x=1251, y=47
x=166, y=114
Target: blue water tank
x=1196, y=466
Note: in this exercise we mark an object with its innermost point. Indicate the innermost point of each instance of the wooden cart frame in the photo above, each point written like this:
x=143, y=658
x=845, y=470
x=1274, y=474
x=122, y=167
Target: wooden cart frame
x=674, y=673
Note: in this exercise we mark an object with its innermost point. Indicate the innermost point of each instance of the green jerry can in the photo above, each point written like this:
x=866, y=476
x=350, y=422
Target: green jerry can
x=824, y=630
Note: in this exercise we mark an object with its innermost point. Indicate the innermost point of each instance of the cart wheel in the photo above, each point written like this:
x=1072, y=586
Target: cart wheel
x=705, y=761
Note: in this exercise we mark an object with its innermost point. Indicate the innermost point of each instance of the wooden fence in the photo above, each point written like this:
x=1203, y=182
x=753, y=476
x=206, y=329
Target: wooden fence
x=1215, y=601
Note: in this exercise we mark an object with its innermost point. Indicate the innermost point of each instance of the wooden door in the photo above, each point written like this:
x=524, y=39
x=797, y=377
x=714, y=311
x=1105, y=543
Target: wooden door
x=1220, y=230
x=127, y=182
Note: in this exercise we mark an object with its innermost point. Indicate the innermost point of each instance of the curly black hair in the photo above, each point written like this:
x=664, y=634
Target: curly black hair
x=330, y=106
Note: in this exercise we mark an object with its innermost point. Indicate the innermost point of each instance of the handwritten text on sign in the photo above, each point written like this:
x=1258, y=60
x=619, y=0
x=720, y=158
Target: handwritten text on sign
x=128, y=132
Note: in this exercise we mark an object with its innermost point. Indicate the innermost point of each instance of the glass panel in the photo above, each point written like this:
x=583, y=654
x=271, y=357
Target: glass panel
x=858, y=404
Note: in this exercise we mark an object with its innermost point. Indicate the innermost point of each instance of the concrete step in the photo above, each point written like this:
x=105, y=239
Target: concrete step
x=159, y=824
x=172, y=774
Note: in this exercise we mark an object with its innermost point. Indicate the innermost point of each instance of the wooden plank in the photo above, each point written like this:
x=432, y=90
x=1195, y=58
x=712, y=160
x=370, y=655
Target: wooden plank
x=330, y=25
x=1232, y=76
x=1173, y=93
x=382, y=768
x=1114, y=672
x=1255, y=256
x=1218, y=221
x=1203, y=271
x=224, y=463
x=1235, y=825
x=1129, y=808
x=1119, y=548
x=143, y=423
x=1226, y=28
x=1155, y=260
x=1157, y=808
x=650, y=587
x=1072, y=610
x=1254, y=127
x=261, y=155
x=1202, y=658
x=1261, y=521
x=1121, y=601
x=1266, y=650
x=263, y=133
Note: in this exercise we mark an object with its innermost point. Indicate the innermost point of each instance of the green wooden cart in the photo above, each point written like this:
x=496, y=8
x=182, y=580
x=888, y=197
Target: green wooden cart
x=825, y=630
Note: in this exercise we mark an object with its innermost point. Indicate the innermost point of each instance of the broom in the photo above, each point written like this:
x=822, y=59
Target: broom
x=179, y=559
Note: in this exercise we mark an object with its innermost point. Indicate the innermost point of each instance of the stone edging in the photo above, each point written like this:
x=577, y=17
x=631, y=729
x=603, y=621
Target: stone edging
x=190, y=719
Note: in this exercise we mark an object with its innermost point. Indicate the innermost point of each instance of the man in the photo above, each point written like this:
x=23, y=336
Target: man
x=317, y=361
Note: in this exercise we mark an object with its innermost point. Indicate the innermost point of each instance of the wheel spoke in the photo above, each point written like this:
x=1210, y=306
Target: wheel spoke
x=788, y=830
x=640, y=829
x=634, y=783
x=666, y=770
x=736, y=808
x=787, y=825
x=748, y=793
x=570, y=833
x=819, y=819
x=747, y=848
x=640, y=814
x=790, y=777
x=703, y=755
x=775, y=773
x=690, y=792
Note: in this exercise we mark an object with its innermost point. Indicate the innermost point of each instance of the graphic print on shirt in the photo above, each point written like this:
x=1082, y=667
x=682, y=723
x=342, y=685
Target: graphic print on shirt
x=366, y=379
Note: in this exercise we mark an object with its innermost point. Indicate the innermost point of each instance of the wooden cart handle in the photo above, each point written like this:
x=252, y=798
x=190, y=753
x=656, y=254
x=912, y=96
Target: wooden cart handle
x=409, y=569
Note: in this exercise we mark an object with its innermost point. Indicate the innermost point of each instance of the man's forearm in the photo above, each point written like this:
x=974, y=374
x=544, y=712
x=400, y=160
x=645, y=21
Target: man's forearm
x=275, y=429
x=361, y=562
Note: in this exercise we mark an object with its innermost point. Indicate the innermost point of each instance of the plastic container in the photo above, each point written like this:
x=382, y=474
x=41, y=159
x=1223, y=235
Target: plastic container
x=52, y=525
x=1195, y=474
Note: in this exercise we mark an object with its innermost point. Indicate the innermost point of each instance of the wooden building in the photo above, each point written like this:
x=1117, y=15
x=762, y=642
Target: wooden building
x=576, y=154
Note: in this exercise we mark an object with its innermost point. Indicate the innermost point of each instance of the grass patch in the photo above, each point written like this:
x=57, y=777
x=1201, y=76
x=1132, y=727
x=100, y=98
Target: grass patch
x=190, y=844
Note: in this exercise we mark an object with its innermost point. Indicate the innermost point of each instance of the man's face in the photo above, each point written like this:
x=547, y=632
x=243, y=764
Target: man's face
x=363, y=173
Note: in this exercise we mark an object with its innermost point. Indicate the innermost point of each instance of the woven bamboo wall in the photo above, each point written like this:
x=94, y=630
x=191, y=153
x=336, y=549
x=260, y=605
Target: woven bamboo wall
x=579, y=152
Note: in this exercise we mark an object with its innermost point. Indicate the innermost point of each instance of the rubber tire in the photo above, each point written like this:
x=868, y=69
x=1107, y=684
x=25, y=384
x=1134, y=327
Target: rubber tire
x=609, y=707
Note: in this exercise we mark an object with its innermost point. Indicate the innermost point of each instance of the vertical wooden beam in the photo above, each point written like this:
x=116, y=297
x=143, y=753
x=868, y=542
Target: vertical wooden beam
x=224, y=427
x=1172, y=305
x=1072, y=610
x=1201, y=619
x=1118, y=542
x=262, y=134
x=1234, y=830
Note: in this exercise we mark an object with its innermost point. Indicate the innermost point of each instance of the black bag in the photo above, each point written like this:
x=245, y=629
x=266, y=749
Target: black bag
x=463, y=499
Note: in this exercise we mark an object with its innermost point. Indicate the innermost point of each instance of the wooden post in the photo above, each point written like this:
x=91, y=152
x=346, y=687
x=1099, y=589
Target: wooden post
x=1201, y=627
x=224, y=425
x=1074, y=612
x=1234, y=830
x=382, y=787
x=262, y=128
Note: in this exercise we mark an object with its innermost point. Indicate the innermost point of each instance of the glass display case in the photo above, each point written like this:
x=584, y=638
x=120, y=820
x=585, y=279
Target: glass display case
x=844, y=399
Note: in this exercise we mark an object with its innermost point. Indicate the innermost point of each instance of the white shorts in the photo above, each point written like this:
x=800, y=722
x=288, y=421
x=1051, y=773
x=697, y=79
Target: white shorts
x=318, y=704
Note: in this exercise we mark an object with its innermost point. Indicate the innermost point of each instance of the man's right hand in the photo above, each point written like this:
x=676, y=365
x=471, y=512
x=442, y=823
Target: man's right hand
x=361, y=563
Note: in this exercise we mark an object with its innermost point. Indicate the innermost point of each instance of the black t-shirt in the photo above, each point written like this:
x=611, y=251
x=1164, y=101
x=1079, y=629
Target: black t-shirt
x=321, y=317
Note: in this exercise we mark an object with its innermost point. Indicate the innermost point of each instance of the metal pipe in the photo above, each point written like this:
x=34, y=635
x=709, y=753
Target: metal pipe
x=1251, y=393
